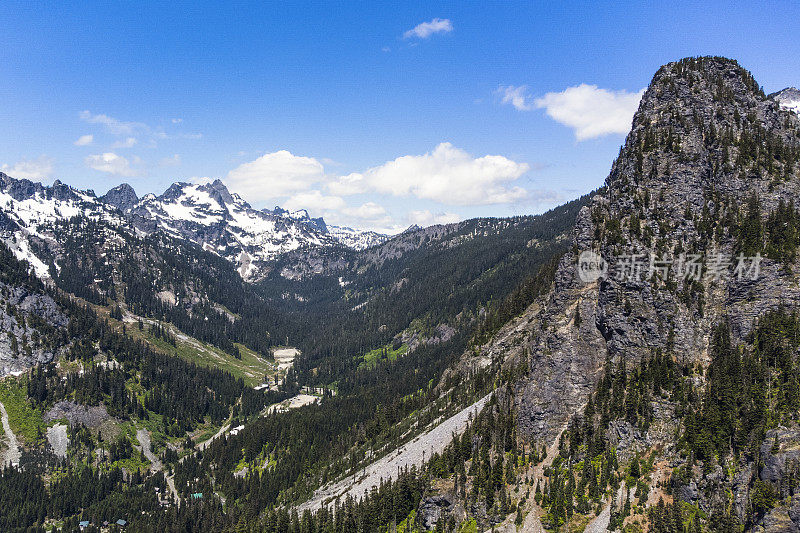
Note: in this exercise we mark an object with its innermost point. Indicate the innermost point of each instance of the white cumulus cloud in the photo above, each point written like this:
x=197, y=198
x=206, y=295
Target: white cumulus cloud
x=516, y=96
x=172, y=161
x=111, y=163
x=366, y=211
x=314, y=201
x=84, y=140
x=426, y=29
x=30, y=169
x=426, y=218
x=590, y=111
x=275, y=175
x=447, y=174
x=349, y=184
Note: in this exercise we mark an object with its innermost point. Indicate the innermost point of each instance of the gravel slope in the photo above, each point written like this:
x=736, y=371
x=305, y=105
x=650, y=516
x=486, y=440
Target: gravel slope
x=12, y=454
x=143, y=436
x=411, y=453
x=58, y=439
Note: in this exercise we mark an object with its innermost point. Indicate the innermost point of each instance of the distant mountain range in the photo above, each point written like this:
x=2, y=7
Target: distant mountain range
x=208, y=215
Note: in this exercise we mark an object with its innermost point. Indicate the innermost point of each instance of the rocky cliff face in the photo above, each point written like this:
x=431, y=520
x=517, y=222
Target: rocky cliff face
x=28, y=321
x=123, y=197
x=707, y=169
x=704, y=142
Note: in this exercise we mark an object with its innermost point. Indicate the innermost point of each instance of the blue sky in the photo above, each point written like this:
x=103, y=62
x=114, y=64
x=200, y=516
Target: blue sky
x=369, y=114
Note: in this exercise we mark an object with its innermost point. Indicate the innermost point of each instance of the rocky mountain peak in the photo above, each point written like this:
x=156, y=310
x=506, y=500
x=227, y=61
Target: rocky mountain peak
x=705, y=142
x=218, y=191
x=123, y=197
x=703, y=122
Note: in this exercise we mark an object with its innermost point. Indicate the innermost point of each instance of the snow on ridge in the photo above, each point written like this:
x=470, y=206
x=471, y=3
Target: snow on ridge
x=791, y=105
x=210, y=214
x=38, y=207
x=789, y=99
x=356, y=239
x=206, y=214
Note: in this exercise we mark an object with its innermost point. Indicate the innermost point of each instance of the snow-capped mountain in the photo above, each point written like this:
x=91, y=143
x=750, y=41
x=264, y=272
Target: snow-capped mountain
x=788, y=98
x=206, y=214
x=349, y=237
x=28, y=209
x=222, y=222
x=356, y=239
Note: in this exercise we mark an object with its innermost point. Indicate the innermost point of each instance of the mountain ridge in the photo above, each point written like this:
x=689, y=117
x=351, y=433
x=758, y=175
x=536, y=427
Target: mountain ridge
x=206, y=214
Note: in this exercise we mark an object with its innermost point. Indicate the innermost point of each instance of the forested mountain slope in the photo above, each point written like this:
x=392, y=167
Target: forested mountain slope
x=671, y=392
x=122, y=335
x=633, y=355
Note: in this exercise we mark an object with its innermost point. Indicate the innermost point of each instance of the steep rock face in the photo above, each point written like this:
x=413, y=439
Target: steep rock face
x=20, y=348
x=704, y=143
x=123, y=197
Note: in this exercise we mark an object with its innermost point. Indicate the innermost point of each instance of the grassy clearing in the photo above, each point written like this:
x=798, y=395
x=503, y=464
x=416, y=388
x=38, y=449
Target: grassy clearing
x=26, y=422
x=133, y=463
x=383, y=353
x=251, y=367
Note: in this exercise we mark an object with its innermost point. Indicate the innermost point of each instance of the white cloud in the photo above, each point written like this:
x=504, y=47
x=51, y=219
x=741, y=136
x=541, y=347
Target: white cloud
x=335, y=210
x=426, y=29
x=84, y=140
x=127, y=142
x=30, y=169
x=591, y=111
x=426, y=218
x=350, y=184
x=134, y=131
x=275, y=175
x=172, y=161
x=516, y=96
x=113, y=125
x=367, y=211
x=447, y=175
x=314, y=201
x=111, y=163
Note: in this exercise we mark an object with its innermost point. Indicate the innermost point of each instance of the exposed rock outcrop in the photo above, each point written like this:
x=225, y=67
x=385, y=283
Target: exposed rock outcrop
x=686, y=160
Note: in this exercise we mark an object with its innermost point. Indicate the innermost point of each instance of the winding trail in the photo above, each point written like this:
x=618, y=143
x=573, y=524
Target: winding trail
x=12, y=454
x=205, y=444
x=143, y=436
